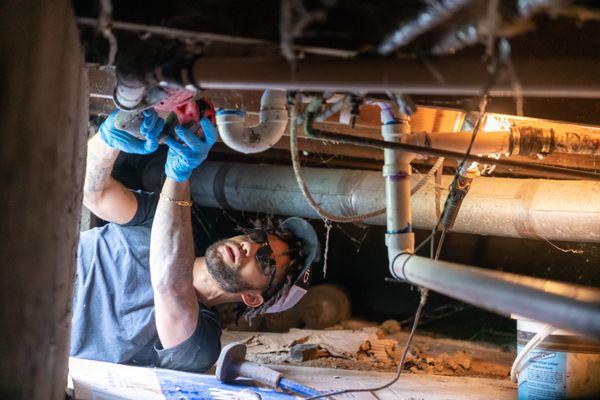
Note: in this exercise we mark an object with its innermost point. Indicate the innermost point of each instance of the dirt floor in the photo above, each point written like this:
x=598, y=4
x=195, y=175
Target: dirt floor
x=360, y=345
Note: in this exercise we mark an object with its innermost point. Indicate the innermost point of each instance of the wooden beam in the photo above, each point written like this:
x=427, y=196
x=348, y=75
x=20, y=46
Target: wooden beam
x=221, y=152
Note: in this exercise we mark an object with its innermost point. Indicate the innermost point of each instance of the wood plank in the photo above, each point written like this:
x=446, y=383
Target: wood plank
x=408, y=387
x=220, y=152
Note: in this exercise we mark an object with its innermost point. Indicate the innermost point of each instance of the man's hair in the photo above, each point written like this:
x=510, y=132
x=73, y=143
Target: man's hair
x=280, y=288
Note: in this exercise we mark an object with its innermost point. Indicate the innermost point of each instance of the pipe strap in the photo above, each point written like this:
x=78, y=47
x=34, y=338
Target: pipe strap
x=522, y=218
x=219, y=186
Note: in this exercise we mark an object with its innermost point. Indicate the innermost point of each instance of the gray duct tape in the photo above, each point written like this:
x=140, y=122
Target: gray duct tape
x=346, y=189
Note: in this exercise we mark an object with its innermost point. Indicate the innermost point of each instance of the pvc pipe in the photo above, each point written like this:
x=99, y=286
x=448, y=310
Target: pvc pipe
x=563, y=305
x=382, y=144
x=399, y=235
x=273, y=121
x=525, y=208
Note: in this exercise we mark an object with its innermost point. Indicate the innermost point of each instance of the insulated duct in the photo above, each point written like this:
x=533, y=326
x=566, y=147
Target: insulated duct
x=273, y=120
x=523, y=208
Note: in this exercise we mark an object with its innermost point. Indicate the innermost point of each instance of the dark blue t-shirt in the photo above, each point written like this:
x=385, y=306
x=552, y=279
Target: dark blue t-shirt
x=113, y=306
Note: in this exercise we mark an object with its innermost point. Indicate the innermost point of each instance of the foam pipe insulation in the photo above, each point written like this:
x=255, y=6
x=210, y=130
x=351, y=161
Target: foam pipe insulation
x=526, y=208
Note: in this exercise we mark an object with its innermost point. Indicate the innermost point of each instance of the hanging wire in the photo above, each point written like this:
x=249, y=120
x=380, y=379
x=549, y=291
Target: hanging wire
x=520, y=363
x=328, y=226
x=325, y=215
x=434, y=168
x=496, y=65
x=440, y=245
x=433, y=254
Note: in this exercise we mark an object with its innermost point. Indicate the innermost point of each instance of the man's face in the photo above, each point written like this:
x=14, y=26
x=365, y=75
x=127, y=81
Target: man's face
x=232, y=263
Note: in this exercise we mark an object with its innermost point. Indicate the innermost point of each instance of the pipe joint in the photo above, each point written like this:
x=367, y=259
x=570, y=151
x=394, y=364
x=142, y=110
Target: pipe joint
x=532, y=141
x=273, y=121
x=393, y=131
x=398, y=261
x=396, y=131
x=396, y=171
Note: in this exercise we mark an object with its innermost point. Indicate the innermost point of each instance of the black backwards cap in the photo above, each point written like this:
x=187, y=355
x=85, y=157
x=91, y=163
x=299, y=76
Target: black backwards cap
x=309, y=240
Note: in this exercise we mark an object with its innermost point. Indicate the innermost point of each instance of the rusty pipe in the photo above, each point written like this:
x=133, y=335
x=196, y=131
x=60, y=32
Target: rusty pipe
x=557, y=172
x=519, y=140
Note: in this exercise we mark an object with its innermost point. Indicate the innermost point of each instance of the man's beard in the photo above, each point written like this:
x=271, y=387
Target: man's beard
x=227, y=277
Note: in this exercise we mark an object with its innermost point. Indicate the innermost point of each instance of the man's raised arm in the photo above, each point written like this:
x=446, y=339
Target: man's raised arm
x=103, y=195
x=171, y=244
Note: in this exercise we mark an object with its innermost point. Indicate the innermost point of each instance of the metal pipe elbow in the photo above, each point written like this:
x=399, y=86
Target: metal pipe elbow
x=273, y=118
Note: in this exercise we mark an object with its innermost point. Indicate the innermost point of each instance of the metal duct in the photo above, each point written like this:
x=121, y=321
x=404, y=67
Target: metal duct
x=525, y=208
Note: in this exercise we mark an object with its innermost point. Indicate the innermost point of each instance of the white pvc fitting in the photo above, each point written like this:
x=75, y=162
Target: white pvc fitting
x=273, y=118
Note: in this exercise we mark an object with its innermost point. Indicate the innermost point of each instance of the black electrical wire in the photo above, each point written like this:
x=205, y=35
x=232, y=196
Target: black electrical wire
x=483, y=104
x=422, y=301
x=551, y=170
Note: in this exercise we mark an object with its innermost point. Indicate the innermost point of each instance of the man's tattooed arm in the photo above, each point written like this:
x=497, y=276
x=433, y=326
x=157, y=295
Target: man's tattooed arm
x=100, y=161
x=102, y=194
x=171, y=264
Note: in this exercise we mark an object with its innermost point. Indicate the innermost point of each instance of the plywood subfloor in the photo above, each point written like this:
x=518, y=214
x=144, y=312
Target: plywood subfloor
x=408, y=387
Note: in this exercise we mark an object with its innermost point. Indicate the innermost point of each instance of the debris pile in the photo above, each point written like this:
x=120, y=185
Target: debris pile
x=375, y=348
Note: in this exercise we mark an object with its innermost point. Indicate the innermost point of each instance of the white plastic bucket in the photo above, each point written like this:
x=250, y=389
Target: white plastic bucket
x=563, y=366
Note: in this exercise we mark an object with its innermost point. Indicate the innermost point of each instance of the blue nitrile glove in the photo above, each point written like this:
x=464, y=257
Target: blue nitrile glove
x=150, y=128
x=182, y=159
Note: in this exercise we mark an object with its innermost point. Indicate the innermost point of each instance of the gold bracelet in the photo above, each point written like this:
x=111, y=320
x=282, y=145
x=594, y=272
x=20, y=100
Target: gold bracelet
x=182, y=203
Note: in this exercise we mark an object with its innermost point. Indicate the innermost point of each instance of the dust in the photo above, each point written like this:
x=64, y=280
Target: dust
x=358, y=345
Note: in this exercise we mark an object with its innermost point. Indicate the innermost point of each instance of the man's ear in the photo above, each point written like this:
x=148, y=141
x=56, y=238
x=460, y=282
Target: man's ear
x=252, y=299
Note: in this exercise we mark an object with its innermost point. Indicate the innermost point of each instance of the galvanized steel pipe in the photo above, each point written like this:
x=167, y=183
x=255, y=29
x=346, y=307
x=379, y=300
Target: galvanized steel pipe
x=526, y=208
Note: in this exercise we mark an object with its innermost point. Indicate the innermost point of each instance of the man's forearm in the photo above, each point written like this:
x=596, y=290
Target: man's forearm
x=171, y=266
x=100, y=162
x=171, y=244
